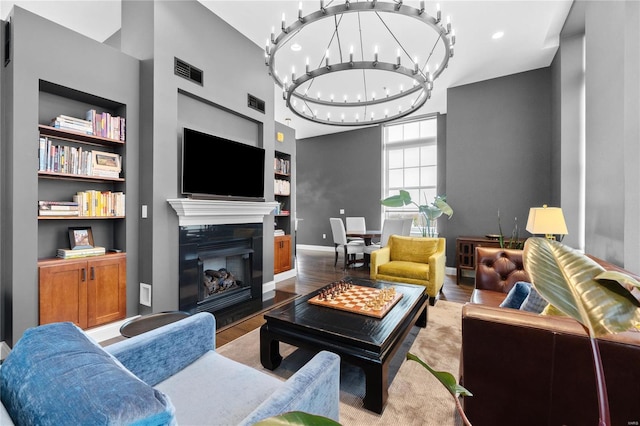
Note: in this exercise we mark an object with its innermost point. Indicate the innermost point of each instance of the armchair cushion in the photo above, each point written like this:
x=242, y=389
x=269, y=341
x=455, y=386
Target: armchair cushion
x=417, y=250
x=56, y=374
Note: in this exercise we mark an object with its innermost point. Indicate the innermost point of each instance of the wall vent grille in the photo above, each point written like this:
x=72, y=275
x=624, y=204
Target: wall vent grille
x=188, y=71
x=255, y=103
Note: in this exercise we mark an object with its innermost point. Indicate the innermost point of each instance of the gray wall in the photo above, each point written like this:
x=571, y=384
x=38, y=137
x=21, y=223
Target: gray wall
x=339, y=171
x=101, y=71
x=156, y=32
x=498, y=153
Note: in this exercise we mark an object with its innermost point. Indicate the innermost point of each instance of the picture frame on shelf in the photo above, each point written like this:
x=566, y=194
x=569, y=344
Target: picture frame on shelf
x=106, y=164
x=80, y=238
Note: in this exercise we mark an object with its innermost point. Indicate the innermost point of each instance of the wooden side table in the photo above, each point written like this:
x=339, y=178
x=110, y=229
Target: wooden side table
x=466, y=252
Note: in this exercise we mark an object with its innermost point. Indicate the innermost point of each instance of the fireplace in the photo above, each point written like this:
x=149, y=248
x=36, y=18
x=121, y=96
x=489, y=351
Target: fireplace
x=220, y=266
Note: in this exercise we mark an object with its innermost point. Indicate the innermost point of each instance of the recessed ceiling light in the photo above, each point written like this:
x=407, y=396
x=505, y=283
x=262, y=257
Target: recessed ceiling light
x=296, y=47
x=497, y=35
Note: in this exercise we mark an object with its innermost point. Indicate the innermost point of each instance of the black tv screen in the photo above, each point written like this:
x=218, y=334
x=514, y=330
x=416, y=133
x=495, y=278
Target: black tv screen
x=218, y=168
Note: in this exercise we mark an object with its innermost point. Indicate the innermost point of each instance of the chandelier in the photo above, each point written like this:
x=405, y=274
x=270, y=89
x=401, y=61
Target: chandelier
x=359, y=63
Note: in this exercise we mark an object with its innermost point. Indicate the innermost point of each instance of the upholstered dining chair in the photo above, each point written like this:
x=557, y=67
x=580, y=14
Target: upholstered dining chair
x=356, y=224
x=389, y=227
x=406, y=226
x=350, y=248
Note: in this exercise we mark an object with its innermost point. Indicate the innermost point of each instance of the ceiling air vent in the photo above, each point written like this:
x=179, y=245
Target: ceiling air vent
x=188, y=71
x=255, y=103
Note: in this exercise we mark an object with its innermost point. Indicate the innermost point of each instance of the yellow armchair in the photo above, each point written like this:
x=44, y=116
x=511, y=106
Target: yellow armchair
x=413, y=260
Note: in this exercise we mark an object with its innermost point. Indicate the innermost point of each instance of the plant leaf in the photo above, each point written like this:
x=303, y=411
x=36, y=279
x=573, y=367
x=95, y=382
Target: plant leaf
x=297, y=418
x=399, y=200
x=444, y=377
x=441, y=203
x=568, y=280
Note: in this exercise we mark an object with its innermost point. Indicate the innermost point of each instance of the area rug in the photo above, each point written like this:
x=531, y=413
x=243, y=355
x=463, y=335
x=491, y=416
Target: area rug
x=415, y=396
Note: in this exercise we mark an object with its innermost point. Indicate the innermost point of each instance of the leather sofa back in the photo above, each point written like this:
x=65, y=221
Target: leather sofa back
x=498, y=269
x=529, y=369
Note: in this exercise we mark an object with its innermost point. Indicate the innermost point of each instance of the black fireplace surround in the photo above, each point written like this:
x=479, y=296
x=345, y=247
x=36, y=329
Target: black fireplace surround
x=220, y=266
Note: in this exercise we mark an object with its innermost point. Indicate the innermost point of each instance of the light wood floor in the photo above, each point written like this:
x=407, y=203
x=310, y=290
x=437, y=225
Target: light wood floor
x=314, y=270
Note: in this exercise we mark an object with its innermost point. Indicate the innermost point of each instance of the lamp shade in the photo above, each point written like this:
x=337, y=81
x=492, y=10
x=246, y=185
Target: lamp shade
x=546, y=220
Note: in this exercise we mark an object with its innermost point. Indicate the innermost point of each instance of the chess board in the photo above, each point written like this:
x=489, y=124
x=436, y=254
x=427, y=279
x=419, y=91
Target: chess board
x=356, y=299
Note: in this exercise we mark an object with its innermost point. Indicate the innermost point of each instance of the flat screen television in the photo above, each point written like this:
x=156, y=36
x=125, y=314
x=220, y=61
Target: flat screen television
x=219, y=168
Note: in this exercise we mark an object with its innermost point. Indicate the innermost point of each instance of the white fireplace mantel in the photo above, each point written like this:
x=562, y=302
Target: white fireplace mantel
x=220, y=212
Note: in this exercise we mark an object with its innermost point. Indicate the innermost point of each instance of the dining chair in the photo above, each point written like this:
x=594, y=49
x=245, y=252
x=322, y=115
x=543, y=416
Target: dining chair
x=389, y=227
x=406, y=226
x=350, y=248
x=358, y=225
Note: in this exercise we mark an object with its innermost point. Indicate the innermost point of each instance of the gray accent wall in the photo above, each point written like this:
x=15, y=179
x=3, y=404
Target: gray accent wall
x=338, y=171
x=156, y=33
x=100, y=71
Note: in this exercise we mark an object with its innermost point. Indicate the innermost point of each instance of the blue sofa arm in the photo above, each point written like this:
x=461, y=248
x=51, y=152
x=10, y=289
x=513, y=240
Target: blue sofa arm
x=158, y=354
x=314, y=389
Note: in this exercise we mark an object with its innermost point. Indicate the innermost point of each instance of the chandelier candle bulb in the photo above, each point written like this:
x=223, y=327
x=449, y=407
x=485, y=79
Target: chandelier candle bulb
x=438, y=13
x=306, y=66
x=421, y=7
x=448, y=24
x=300, y=11
x=284, y=25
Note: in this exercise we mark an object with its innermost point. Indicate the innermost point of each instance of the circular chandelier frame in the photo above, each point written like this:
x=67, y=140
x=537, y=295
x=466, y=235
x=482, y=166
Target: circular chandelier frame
x=423, y=81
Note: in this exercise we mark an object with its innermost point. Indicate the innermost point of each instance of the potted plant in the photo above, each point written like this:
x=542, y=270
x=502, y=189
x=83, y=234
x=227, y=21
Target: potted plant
x=600, y=300
x=429, y=212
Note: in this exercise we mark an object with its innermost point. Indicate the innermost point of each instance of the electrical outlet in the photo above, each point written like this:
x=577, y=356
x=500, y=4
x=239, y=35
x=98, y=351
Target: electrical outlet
x=341, y=211
x=324, y=236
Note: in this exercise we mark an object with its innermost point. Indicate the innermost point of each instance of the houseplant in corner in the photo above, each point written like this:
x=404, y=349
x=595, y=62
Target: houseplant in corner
x=600, y=300
x=428, y=212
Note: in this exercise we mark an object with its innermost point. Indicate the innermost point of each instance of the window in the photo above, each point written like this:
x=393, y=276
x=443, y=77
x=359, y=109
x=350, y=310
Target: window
x=410, y=163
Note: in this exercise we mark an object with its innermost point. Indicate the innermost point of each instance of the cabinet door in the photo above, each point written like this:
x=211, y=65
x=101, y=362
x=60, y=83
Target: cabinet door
x=282, y=253
x=106, y=290
x=63, y=293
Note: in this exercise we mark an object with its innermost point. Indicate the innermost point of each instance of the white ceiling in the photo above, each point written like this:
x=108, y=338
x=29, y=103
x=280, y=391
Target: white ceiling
x=531, y=31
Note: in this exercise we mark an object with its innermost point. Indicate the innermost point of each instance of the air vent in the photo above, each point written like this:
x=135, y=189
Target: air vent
x=188, y=71
x=255, y=103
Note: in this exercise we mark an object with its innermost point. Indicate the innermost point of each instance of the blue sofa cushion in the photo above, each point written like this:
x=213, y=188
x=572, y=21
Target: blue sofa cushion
x=56, y=375
x=516, y=295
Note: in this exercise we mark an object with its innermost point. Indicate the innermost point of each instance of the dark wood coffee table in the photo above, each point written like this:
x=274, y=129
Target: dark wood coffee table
x=367, y=342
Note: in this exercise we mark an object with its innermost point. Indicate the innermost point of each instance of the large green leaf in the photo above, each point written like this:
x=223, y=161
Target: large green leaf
x=297, y=418
x=568, y=280
x=447, y=379
x=402, y=199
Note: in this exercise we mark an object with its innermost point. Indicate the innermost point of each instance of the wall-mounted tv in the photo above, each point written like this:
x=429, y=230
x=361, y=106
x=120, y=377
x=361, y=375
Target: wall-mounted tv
x=218, y=168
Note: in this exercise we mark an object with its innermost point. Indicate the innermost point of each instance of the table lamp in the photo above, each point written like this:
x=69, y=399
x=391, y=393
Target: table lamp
x=548, y=221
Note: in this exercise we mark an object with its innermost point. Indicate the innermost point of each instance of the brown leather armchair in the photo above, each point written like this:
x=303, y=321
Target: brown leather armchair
x=497, y=271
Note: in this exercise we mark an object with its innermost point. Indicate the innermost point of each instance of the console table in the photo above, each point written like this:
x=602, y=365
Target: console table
x=466, y=252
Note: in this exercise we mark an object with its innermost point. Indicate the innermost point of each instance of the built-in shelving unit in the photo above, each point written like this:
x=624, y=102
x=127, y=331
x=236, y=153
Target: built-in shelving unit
x=89, y=166
x=282, y=195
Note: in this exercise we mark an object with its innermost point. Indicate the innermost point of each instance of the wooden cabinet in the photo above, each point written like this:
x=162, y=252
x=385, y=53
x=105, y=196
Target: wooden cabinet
x=87, y=291
x=282, y=253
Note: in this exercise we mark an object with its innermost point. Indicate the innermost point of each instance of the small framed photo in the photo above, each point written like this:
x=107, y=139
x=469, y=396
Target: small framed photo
x=106, y=161
x=80, y=238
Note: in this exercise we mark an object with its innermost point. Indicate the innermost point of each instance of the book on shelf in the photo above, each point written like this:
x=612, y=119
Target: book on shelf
x=106, y=125
x=282, y=166
x=100, y=203
x=63, y=158
x=278, y=232
x=72, y=123
x=281, y=187
x=57, y=208
x=77, y=253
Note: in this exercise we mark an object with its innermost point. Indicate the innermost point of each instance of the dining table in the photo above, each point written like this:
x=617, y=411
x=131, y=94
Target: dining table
x=368, y=235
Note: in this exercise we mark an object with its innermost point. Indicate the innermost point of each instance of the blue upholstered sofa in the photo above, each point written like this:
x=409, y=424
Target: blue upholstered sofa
x=57, y=375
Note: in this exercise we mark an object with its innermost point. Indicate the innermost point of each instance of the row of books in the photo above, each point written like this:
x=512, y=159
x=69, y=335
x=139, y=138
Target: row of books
x=77, y=253
x=281, y=187
x=89, y=203
x=95, y=123
x=282, y=166
x=106, y=125
x=278, y=232
x=74, y=160
x=100, y=203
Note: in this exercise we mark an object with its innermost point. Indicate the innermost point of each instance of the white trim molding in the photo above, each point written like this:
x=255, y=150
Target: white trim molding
x=220, y=212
